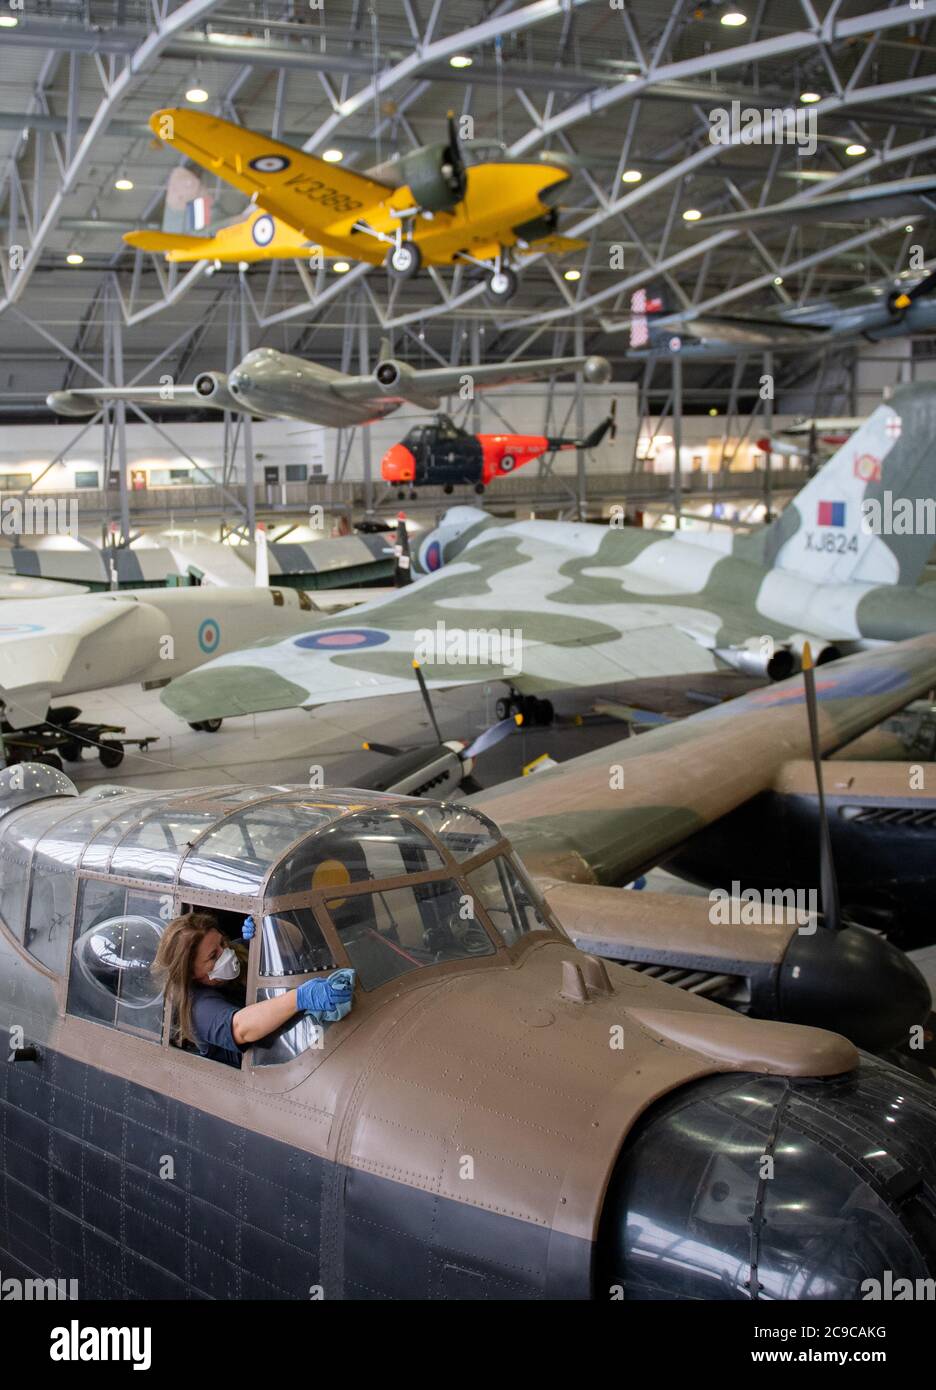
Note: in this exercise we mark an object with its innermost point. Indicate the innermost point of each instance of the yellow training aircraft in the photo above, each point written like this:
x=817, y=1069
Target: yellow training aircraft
x=424, y=207
x=255, y=237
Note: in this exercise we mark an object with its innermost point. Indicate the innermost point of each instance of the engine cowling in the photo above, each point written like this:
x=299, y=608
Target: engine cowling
x=435, y=176
x=757, y=657
x=822, y=651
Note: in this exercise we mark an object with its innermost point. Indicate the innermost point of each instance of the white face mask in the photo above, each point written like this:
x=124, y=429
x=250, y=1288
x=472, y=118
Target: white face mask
x=226, y=967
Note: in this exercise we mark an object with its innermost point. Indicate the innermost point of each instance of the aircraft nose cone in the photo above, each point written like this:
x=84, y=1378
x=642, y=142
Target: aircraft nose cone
x=398, y=465
x=855, y=983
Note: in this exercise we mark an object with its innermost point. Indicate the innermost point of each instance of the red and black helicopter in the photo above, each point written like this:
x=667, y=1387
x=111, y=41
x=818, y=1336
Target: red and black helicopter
x=441, y=454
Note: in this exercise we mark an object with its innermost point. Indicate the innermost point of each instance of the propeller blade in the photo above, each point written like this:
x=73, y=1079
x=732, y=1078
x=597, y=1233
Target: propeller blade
x=458, y=178
x=925, y=287
x=827, y=880
x=403, y=571
x=493, y=735
x=424, y=692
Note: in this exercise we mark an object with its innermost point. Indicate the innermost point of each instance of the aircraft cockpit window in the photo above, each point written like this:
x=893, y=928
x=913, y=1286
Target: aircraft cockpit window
x=293, y=944
x=127, y=812
x=369, y=845
x=157, y=844
x=390, y=933
x=508, y=900
x=289, y=1041
x=20, y=833
x=464, y=833
x=415, y=436
x=449, y=430
x=111, y=980
x=237, y=855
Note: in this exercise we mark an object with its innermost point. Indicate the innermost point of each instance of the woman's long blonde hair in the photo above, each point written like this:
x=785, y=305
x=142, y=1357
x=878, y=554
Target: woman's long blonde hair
x=175, y=963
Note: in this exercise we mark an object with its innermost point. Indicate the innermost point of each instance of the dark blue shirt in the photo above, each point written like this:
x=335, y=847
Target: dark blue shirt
x=212, y=1012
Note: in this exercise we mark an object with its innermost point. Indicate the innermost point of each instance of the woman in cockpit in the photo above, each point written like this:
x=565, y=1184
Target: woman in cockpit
x=202, y=971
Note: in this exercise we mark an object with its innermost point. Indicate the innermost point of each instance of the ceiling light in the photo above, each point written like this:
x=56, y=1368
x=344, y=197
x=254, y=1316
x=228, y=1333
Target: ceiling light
x=855, y=149
x=196, y=95
x=908, y=229
x=733, y=19
x=778, y=279
x=572, y=275
x=809, y=97
x=341, y=267
x=74, y=258
x=691, y=215
x=123, y=184
x=631, y=176
x=333, y=156
x=713, y=410
x=460, y=60
x=8, y=21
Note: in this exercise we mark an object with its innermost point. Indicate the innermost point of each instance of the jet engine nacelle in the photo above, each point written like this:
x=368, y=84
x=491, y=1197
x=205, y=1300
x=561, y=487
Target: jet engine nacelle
x=822, y=651
x=759, y=656
x=213, y=389
x=397, y=379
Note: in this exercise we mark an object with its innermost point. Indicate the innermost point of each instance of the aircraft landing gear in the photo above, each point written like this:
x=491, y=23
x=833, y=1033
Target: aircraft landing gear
x=479, y=488
x=536, y=712
x=404, y=260
x=206, y=726
x=448, y=489
x=502, y=285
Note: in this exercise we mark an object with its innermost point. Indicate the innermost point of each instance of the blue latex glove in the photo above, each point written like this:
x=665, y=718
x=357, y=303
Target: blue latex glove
x=326, y=1001
x=248, y=930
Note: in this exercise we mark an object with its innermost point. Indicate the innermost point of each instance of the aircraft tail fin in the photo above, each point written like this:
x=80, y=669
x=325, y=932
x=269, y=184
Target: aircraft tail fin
x=869, y=513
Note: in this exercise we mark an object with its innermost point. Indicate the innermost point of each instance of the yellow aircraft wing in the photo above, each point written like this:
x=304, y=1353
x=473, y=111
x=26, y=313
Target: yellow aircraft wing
x=301, y=190
x=257, y=237
x=553, y=245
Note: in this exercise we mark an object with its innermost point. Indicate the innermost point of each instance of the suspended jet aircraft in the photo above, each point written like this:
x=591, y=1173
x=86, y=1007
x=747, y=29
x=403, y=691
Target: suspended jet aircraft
x=332, y=1163
x=890, y=308
x=272, y=384
x=429, y=206
x=444, y=455
x=543, y=605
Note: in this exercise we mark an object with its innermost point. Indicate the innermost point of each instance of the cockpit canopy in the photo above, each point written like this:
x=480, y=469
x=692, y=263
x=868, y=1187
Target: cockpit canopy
x=384, y=883
x=442, y=428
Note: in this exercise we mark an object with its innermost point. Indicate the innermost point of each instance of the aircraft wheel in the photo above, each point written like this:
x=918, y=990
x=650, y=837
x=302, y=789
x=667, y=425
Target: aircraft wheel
x=211, y=726
x=503, y=708
x=448, y=489
x=401, y=494
x=544, y=713
x=110, y=754
x=413, y=494
x=403, y=261
x=71, y=752
x=502, y=285
x=479, y=488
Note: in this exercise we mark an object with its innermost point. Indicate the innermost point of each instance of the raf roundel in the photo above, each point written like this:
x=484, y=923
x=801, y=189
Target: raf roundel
x=433, y=556
x=209, y=635
x=263, y=230
x=342, y=639
x=270, y=163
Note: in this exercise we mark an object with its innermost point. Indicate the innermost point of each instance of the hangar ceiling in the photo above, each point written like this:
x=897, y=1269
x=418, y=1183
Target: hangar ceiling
x=616, y=90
